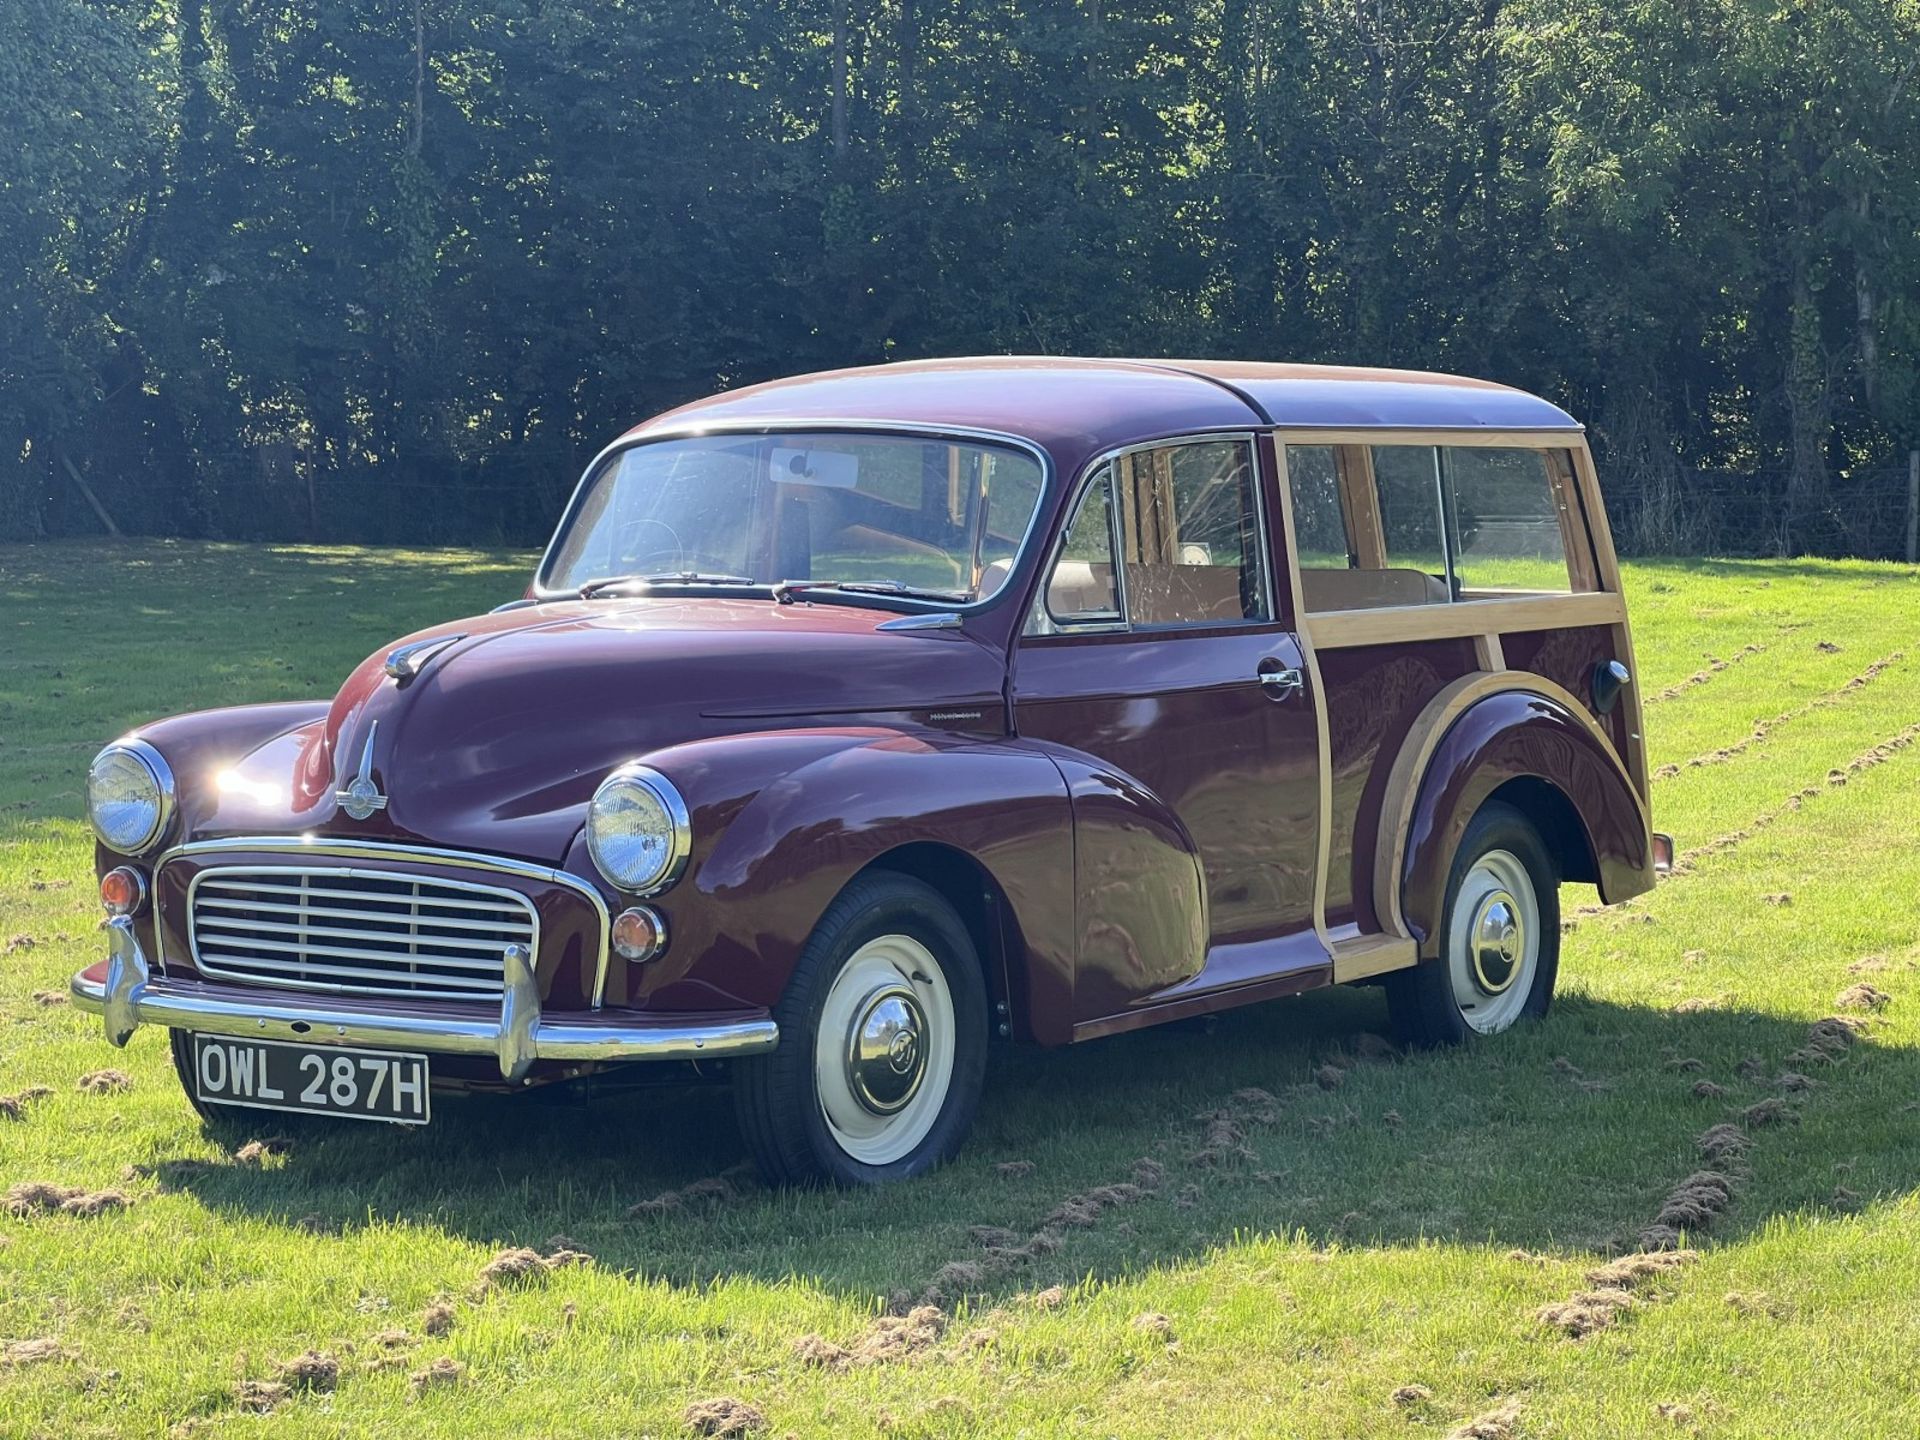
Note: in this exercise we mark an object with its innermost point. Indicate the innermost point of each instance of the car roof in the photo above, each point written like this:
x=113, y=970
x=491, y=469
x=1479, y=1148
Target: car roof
x=1085, y=406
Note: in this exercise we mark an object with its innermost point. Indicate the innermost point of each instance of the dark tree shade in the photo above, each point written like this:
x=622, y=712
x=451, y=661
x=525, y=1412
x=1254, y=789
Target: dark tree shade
x=394, y=270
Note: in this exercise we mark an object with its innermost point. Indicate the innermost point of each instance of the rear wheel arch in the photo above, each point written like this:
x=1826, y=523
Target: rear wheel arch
x=1531, y=748
x=1557, y=822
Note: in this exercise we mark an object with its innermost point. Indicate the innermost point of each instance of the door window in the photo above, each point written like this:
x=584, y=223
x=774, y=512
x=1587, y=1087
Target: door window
x=1184, y=521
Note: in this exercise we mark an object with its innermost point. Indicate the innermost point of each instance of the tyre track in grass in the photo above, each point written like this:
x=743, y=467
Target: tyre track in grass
x=918, y=1322
x=1687, y=861
x=1870, y=758
x=1764, y=728
x=1727, y=1152
x=1703, y=676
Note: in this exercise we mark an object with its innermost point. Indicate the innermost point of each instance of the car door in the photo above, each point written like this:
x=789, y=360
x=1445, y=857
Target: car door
x=1157, y=667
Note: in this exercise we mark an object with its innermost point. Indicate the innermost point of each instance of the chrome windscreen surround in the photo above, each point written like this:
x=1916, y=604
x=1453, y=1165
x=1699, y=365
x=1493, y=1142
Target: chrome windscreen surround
x=323, y=848
x=355, y=930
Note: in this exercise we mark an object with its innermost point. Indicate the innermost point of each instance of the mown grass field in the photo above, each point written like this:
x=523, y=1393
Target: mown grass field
x=1309, y=1246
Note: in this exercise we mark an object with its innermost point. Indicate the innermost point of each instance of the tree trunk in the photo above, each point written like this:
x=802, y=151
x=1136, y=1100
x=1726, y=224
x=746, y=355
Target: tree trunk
x=839, y=122
x=1809, y=414
x=1865, y=318
x=418, y=132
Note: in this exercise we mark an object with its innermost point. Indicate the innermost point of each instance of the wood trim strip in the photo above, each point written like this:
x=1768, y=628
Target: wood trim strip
x=1608, y=571
x=1410, y=768
x=1366, y=955
x=1276, y=457
x=1385, y=435
x=1403, y=624
x=1606, y=560
x=1360, y=502
x=1574, y=538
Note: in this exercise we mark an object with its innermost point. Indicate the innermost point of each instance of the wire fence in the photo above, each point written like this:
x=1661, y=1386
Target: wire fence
x=1868, y=514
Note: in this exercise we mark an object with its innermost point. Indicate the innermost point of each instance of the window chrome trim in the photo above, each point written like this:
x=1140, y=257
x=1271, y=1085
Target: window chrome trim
x=814, y=425
x=415, y=854
x=1057, y=552
x=1443, y=515
x=162, y=773
x=349, y=872
x=1090, y=474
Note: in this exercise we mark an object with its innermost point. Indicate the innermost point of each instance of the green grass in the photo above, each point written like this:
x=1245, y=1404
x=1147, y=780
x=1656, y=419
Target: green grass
x=1401, y=1228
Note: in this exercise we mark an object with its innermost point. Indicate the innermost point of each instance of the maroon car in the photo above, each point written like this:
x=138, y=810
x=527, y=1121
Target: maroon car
x=856, y=721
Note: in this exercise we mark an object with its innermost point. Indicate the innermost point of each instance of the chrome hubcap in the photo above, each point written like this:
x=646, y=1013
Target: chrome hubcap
x=1499, y=940
x=886, y=1052
x=883, y=1049
x=1492, y=942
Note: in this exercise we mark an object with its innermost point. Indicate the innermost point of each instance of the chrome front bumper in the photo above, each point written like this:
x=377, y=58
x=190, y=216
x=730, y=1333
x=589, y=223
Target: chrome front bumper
x=131, y=996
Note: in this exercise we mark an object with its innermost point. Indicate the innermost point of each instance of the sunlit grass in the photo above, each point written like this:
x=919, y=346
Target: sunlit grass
x=1398, y=1229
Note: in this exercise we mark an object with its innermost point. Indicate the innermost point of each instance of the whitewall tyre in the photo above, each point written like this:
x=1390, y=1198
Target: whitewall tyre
x=1499, y=938
x=883, y=1041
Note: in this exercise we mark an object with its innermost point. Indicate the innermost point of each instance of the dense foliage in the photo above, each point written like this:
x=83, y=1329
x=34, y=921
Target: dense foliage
x=395, y=268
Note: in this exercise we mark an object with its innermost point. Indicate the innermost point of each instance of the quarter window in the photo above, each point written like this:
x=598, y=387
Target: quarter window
x=1081, y=590
x=1510, y=527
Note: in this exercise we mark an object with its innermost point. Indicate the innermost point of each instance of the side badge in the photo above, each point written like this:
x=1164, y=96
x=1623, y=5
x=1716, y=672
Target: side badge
x=362, y=797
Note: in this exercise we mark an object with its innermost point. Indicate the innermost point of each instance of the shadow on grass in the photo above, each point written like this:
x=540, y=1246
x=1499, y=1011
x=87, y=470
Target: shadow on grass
x=1564, y=1136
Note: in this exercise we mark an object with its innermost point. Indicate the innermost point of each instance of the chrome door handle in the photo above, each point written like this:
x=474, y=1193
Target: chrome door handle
x=1282, y=682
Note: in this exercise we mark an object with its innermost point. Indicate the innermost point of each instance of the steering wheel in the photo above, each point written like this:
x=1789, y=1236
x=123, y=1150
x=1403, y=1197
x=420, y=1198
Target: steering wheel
x=621, y=555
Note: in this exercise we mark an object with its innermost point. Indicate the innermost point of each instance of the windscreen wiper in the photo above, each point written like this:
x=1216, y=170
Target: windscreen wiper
x=667, y=577
x=787, y=590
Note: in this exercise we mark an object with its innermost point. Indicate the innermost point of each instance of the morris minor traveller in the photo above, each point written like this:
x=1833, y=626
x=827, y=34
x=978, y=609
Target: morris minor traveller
x=855, y=722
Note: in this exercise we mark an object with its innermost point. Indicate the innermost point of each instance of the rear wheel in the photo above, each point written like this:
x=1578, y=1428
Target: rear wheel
x=883, y=1039
x=1499, y=938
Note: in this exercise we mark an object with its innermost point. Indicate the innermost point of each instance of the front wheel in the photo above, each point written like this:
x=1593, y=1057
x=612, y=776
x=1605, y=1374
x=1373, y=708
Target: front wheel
x=1499, y=938
x=883, y=1043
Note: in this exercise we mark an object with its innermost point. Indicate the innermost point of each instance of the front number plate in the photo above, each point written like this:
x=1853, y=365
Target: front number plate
x=311, y=1079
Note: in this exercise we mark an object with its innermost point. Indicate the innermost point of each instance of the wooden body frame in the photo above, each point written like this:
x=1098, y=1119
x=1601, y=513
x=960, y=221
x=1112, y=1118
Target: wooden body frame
x=1595, y=601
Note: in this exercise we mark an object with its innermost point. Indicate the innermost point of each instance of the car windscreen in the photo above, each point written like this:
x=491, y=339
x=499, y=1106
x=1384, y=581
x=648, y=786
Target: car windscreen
x=927, y=513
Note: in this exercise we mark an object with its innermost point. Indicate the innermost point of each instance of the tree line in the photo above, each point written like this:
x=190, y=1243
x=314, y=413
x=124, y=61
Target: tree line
x=394, y=269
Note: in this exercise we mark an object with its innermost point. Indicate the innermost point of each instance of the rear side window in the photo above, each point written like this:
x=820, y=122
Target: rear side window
x=1511, y=530
x=1407, y=480
x=1389, y=525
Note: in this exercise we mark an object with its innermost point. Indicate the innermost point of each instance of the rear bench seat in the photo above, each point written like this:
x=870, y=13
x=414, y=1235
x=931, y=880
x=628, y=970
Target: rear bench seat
x=1369, y=589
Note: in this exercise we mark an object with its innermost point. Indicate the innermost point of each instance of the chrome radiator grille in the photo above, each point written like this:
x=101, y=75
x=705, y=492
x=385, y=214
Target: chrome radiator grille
x=361, y=932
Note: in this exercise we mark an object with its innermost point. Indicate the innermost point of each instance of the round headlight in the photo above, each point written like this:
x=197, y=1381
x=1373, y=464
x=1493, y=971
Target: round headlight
x=637, y=830
x=129, y=796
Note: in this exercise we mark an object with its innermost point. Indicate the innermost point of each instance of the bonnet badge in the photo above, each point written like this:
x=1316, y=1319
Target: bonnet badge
x=409, y=660
x=362, y=797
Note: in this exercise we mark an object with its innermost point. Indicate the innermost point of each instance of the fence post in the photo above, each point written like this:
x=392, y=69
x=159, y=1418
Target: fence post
x=1913, y=507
